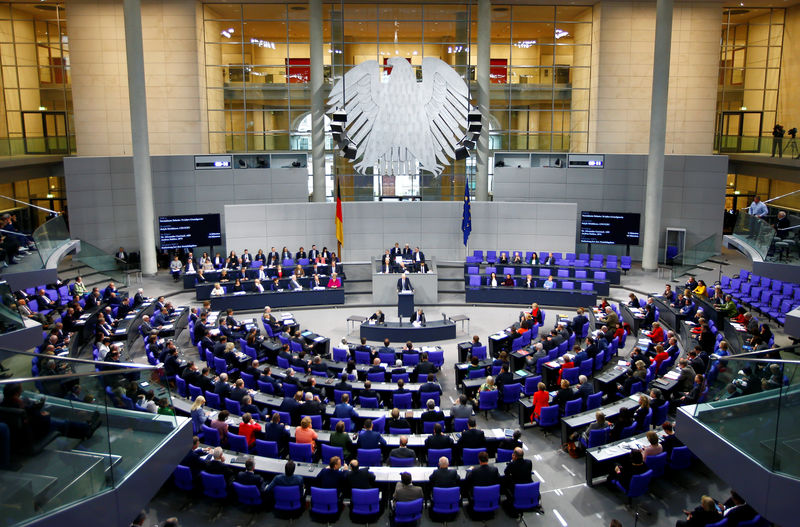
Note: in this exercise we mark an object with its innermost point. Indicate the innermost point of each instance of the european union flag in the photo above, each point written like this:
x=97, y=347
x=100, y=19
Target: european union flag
x=466, y=217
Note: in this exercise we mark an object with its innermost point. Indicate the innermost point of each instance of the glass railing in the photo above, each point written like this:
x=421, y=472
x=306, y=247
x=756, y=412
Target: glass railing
x=10, y=319
x=50, y=236
x=695, y=255
x=101, y=261
x=752, y=404
x=69, y=436
x=20, y=146
x=755, y=232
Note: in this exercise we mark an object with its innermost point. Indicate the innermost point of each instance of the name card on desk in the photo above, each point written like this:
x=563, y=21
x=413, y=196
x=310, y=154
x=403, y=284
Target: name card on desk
x=239, y=293
x=319, y=339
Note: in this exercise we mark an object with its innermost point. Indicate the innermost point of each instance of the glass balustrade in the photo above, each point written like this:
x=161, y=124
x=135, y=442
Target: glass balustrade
x=71, y=431
x=695, y=255
x=49, y=237
x=101, y=261
x=755, y=232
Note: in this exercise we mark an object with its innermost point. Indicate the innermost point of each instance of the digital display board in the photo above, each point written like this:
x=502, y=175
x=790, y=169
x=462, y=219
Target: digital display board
x=186, y=232
x=610, y=228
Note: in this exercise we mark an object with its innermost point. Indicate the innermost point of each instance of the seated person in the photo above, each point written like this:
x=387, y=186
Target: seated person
x=397, y=422
x=503, y=259
x=632, y=466
x=287, y=479
x=491, y=281
x=334, y=282
x=217, y=290
x=378, y=316
x=405, y=490
x=418, y=316
x=517, y=259
x=508, y=282
x=549, y=283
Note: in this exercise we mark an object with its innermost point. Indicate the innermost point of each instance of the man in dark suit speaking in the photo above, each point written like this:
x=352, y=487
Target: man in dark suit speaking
x=404, y=284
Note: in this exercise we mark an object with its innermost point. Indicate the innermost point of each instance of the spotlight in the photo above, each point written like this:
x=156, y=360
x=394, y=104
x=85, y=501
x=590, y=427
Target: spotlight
x=349, y=152
x=339, y=116
x=461, y=153
x=475, y=128
x=469, y=145
x=337, y=127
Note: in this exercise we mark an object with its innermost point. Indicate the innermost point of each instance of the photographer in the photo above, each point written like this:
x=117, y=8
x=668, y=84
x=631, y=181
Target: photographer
x=777, y=139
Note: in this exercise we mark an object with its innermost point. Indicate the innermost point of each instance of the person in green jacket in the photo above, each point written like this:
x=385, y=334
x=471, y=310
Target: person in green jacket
x=727, y=309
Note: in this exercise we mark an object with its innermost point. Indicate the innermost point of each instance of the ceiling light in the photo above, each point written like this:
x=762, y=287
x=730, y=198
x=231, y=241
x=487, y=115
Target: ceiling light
x=560, y=33
x=524, y=44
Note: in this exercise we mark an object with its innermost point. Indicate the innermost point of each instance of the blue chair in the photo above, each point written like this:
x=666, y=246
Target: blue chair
x=424, y=397
x=758, y=521
x=427, y=426
x=212, y=400
x=247, y=494
x=549, y=417
x=267, y=448
x=446, y=501
x=386, y=357
x=369, y=402
x=408, y=511
x=183, y=389
x=638, y=486
x=594, y=401
x=511, y=393
x=238, y=443
x=628, y=431
x=479, y=351
x=397, y=376
x=249, y=381
x=214, y=485
x=410, y=359
x=362, y=357
x=324, y=502
x=379, y=424
x=399, y=431
x=470, y=456
x=286, y=417
x=657, y=463
x=288, y=499
x=365, y=504
x=526, y=497
x=486, y=500
x=570, y=374
x=209, y=436
x=300, y=452
x=531, y=384
x=460, y=424
x=722, y=523
x=266, y=387
x=401, y=461
x=340, y=354
x=316, y=421
x=402, y=401
x=573, y=407
x=503, y=455
x=586, y=368
x=487, y=401
x=194, y=392
x=596, y=438
x=660, y=414
x=435, y=453
x=437, y=358
x=182, y=477
x=369, y=457
x=476, y=374
x=681, y=458
x=348, y=423
x=376, y=377
x=220, y=366
x=329, y=451
x=233, y=407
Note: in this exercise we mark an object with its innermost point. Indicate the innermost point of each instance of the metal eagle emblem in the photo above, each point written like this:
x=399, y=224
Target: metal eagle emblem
x=397, y=122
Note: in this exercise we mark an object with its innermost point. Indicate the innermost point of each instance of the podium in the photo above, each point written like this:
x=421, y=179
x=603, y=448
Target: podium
x=405, y=303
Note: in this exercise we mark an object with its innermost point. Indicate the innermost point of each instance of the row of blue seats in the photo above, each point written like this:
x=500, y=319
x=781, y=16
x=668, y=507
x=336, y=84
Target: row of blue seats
x=568, y=259
x=774, y=298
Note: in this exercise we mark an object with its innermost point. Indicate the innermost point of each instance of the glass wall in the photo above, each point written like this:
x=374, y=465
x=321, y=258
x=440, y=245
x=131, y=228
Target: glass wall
x=36, y=96
x=258, y=67
x=749, y=76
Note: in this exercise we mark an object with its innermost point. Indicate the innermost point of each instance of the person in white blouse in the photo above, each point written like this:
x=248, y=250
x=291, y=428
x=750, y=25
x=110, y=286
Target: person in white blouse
x=262, y=275
x=257, y=285
x=218, y=290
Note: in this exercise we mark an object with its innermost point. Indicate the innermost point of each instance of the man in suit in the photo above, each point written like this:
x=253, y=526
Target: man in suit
x=431, y=414
x=217, y=464
x=368, y=392
x=311, y=405
x=300, y=254
x=397, y=422
x=395, y=251
x=359, y=478
x=275, y=431
x=294, y=285
x=424, y=367
x=313, y=253
x=418, y=257
x=404, y=284
x=222, y=388
x=405, y=490
x=431, y=386
x=368, y=438
x=685, y=377
x=252, y=369
x=44, y=302
x=579, y=355
x=472, y=437
x=238, y=392
x=291, y=405
x=249, y=477
x=518, y=471
x=376, y=366
x=287, y=479
x=386, y=348
x=462, y=409
x=402, y=452
x=343, y=385
x=418, y=316
x=273, y=258
x=331, y=477
x=344, y=409
x=195, y=459
x=444, y=477
x=247, y=258
x=611, y=319
x=504, y=377
x=670, y=440
x=438, y=440
x=579, y=320
x=585, y=388
x=481, y=476
x=737, y=510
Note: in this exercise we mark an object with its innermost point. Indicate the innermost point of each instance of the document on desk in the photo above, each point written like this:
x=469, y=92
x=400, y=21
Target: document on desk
x=673, y=375
x=239, y=293
x=416, y=324
x=428, y=349
x=319, y=339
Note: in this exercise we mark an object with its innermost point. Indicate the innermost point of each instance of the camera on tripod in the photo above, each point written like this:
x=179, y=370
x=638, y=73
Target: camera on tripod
x=792, y=132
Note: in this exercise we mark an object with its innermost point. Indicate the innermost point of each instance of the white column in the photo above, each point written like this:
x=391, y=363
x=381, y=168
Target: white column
x=317, y=102
x=482, y=82
x=658, y=134
x=142, y=177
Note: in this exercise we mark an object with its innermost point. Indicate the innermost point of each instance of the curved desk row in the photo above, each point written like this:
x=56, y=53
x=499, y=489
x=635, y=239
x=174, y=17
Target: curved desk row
x=612, y=274
x=403, y=332
x=278, y=299
x=547, y=297
x=203, y=291
x=189, y=279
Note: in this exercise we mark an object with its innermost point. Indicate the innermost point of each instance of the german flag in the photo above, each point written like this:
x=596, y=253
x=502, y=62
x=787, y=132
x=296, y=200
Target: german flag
x=339, y=221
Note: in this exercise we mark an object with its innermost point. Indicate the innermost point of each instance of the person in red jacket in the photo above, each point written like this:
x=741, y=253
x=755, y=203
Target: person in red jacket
x=657, y=334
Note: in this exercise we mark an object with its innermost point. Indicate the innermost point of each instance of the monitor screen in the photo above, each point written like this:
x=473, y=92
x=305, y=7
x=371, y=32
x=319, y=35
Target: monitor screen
x=186, y=232
x=610, y=228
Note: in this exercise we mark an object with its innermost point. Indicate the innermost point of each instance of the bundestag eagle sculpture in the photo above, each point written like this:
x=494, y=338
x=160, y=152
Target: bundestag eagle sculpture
x=390, y=125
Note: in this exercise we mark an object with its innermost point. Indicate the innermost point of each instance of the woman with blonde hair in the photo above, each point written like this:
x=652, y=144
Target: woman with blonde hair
x=198, y=414
x=305, y=434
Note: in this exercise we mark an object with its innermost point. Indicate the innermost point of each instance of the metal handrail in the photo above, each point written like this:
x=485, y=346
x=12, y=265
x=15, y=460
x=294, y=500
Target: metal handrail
x=81, y=361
